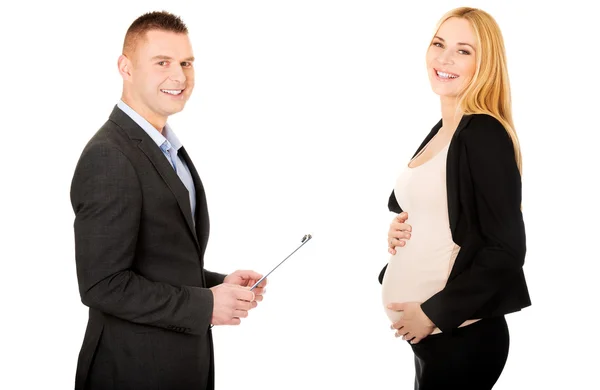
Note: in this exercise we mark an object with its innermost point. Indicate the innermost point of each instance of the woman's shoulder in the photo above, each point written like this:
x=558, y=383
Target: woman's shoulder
x=484, y=130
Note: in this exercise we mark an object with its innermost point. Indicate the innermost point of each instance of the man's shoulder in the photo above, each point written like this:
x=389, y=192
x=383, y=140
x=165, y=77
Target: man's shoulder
x=108, y=145
x=109, y=135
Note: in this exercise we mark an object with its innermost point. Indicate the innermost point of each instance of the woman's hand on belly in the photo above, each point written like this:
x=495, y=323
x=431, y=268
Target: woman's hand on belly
x=399, y=232
x=414, y=325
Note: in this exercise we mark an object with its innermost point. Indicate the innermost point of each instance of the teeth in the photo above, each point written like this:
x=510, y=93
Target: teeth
x=446, y=75
x=172, y=91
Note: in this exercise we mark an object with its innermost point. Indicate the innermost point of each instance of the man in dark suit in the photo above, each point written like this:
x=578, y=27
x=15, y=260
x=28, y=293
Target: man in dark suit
x=141, y=229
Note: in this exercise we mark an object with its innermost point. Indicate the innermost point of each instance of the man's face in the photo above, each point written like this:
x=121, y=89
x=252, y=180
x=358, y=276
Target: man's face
x=161, y=75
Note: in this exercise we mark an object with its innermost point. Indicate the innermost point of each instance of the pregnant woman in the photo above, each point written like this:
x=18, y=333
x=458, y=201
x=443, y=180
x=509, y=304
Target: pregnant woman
x=458, y=242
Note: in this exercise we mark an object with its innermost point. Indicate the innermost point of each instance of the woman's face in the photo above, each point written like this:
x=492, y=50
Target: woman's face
x=451, y=60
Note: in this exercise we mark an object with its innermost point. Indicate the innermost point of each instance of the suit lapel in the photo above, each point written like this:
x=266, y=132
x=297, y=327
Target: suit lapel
x=201, y=217
x=160, y=163
x=168, y=174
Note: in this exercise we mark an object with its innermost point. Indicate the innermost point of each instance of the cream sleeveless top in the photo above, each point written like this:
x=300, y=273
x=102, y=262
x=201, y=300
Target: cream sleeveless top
x=421, y=268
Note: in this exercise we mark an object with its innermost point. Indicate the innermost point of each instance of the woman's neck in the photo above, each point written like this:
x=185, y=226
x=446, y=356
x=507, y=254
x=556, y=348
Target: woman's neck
x=451, y=116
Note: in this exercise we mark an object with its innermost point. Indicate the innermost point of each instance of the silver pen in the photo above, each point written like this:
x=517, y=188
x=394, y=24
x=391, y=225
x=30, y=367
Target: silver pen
x=305, y=239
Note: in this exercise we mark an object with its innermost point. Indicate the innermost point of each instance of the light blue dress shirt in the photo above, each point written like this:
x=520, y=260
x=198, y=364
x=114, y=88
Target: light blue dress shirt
x=170, y=145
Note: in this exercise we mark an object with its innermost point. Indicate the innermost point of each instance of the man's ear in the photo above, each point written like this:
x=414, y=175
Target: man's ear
x=125, y=67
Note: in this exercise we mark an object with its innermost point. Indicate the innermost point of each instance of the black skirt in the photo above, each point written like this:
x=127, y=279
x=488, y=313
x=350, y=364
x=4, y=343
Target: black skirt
x=471, y=357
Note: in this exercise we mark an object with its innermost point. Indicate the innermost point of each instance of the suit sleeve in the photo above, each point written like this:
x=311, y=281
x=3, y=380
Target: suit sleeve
x=213, y=278
x=107, y=200
x=488, y=158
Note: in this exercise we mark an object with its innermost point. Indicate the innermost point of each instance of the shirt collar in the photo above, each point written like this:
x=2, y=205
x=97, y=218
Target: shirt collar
x=171, y=137
x=167, y=136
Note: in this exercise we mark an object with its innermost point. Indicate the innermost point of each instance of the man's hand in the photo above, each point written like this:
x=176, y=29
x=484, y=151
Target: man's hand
x=231, y=303
x=414, y=325
x=399, y=232
x=247, y=279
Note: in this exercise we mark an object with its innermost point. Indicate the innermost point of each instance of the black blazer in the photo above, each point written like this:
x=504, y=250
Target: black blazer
x=139, y=256
x=484, y=207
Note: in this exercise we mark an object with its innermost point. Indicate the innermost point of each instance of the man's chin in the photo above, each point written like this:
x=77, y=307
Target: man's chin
x=174, y=109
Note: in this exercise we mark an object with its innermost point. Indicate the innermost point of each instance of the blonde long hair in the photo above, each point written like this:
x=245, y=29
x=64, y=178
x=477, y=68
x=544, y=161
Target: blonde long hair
x=488, y=92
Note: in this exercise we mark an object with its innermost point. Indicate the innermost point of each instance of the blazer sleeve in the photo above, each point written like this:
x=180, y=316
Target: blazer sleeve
x=488, y=158
x=107, y=201
x=213, y=278
x=393, y=205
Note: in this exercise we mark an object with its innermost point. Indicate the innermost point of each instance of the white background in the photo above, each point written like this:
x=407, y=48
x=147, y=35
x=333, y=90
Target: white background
x=303, y=114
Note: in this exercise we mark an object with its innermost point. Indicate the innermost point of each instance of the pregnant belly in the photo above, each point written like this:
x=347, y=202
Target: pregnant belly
x=416, y=272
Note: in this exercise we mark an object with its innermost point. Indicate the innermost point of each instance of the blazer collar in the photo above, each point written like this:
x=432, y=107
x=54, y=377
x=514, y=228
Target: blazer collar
x=160, y=163
x=461, y=125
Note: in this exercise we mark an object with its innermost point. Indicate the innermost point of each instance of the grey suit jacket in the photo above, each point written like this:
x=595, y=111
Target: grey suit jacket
x=140, y=266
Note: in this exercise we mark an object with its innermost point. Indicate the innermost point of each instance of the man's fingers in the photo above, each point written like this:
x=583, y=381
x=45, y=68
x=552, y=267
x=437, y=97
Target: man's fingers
x=243, y=305
x=259, y=291
x=244, y=294
x=237, y=313
x=258, y=294
x=234, y=321
x=262, y=284
x=248, y=274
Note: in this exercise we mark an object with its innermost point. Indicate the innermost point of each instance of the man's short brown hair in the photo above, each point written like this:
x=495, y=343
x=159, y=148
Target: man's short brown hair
x=157, y=20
